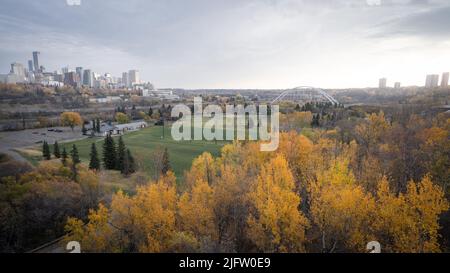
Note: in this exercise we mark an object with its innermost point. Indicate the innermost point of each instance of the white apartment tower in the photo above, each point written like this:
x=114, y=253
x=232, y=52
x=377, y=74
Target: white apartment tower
x=133, y=77
x=445, y=77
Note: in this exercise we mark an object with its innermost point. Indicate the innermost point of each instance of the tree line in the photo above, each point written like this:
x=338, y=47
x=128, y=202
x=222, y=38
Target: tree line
x=317, y=194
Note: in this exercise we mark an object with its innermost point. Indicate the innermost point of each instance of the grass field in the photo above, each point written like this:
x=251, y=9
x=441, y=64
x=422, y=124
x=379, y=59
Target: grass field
x=142, y=143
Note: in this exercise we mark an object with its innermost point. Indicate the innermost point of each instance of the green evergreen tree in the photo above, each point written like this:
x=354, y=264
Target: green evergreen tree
x=132, y=164
x=166, y=162
x=150, y=112
x=56, y=151
x=94, y=163
x=64, y=157
x=126, y=165
x=109, y=153
x=98, y=126
x=74, y=155
x=46, y=151
x=121, y=154
x=75, y=161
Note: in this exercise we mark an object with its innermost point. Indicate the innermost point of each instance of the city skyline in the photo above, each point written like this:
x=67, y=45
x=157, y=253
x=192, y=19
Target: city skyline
x=235, y=44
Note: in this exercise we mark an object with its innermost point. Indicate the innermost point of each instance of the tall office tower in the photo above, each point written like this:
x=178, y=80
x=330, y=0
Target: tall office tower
x=382, y=83
x=397, y=85
x=88, y=78
x=444, y=82
x=79, y=71
x=36, y=61
x=18, y=70
x=125, y=79
x=432, y=81
x=30, y=65
x=133, y=77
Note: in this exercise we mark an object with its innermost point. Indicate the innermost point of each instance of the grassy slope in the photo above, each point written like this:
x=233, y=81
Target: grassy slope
x=141, y=144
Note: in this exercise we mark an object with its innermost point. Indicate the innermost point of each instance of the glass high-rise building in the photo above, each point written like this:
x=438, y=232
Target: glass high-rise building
x=36, y=61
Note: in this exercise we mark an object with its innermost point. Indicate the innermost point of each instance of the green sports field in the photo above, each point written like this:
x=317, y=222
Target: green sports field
x=142, y=143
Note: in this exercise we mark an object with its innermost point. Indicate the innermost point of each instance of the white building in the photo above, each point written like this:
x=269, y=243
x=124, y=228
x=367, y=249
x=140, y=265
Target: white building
x=445, y=77
x=134, y=77
x=432, y=81
x=382, y=83
x=19, y=72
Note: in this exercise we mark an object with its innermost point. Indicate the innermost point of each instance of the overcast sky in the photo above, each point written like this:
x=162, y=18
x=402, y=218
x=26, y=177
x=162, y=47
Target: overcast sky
x=234, y=43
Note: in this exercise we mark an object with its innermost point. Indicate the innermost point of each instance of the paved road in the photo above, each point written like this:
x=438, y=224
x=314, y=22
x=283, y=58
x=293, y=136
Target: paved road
x=32, y=137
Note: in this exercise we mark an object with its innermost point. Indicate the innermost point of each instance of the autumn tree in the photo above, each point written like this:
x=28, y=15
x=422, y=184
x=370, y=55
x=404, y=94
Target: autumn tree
x=275, y=224
x=196, y=211
x=341, y=210
x=410, y=222
x=165, y=162
x=71, y=119
x=122, y=118
x=144, y=222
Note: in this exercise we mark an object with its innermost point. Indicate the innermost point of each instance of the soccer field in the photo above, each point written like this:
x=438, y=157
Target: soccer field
x=142, y=143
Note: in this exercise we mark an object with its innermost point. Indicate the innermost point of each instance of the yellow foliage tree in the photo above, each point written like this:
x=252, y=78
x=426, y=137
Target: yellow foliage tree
x=71, y=119
x=341, y=210
x=122, y=118
x=203, y=168
x=409, y=222
x=275, y=224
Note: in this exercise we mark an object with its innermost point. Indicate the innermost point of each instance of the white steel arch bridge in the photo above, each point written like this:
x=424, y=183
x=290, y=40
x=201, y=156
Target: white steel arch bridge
x=305, y=93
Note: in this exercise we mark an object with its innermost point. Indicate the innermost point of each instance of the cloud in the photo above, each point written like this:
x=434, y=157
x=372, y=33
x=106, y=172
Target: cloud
x=430, y=23
x=226, y=43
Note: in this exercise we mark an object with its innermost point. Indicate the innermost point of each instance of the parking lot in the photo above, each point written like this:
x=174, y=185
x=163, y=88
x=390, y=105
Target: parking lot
x=26, y=138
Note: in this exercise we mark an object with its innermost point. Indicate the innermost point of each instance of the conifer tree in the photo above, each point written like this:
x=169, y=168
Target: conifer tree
x=98, y=127
x=131, y=161
x=75, y=161
x=56, y=151
x=109, y=153
x=64, y=157
x=46, y=151
x=121, y=154
x=94, y=163
x=74, y=155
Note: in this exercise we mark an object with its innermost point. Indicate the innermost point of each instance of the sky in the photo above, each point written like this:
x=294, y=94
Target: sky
x=234, y=43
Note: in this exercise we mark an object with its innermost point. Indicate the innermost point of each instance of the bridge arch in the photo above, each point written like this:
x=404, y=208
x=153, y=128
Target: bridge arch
x=303, y=90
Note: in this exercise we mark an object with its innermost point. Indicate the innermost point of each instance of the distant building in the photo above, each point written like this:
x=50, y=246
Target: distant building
x=445, y=77
x=30, y=65
x=71, y=78
x=88, y=78
x=18, y=70
x=125, y=79
x=397, y=85
x=160, y=94
x=36, y=61
x=119, y=129
x=79, y=71
x=382, y=83
x=134, y=77
x=107, y=99
x=432, y=81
